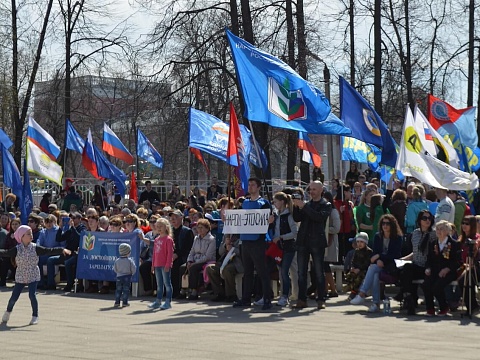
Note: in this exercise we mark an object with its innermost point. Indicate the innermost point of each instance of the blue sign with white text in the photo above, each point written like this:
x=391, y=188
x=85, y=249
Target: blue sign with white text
x=98, y=252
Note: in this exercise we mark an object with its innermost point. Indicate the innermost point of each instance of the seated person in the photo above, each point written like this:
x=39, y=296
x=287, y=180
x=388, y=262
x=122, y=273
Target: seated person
x=202, y=252
x=443, y=261
x=387, y=246
x=71, y=237
x=421, y=237
x=359, y=265
x=49, y=237
x=222, y=274
x=7, y=242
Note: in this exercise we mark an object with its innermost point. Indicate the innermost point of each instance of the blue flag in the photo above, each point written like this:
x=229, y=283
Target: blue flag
x=147, y=151
x=254, y=158
x=365, y=123
x=210, y=134
x=11, y=175
x=107, y=170
x=5, y=140
x=73, y=140
x=358, y=151
x=26, y=203
x=275, y=94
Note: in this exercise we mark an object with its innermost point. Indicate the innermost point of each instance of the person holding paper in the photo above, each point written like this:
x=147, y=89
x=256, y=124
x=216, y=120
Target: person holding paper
x=253, y=252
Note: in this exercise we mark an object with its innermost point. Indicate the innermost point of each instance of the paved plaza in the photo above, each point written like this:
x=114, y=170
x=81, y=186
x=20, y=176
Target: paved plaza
x=81, y=326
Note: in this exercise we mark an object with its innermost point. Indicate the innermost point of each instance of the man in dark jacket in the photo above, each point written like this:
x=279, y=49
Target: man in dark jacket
x=311, y=240
x=183, y=239
x=72, y=243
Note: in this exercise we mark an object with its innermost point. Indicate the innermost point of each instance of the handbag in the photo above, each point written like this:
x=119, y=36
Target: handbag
x=185, y=280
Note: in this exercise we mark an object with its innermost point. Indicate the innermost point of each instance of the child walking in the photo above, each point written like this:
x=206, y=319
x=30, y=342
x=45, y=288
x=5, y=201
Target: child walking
x=26, y=255
x=125, y=268
x=162, y=263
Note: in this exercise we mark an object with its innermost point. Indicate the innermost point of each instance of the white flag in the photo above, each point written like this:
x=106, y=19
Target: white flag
x=40, y=163
x=414, y=160
x=433, y=142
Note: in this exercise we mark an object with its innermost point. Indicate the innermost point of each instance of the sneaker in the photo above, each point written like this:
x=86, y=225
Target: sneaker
x=165, y=306
x=6, y=317
x=125, y=304
x=320, y=305
x=357, y=300
x=154, y=305
x=430, y=312
x=332, y=294
x=267, y=304
x=259, y=302
x=116, y=305
x=34, y=320
x=443, y=312
x=351, y=297
x=283, y=301
x=373, y=308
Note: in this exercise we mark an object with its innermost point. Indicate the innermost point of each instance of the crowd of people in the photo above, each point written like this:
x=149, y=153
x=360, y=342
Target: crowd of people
x=403, y=233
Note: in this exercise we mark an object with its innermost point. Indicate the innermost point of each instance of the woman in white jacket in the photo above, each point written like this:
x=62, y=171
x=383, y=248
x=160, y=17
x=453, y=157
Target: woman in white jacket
x=331, y=253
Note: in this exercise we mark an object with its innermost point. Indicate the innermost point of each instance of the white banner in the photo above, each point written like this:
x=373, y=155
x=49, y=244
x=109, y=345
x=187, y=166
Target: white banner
x=39, y=163
x=246, y=221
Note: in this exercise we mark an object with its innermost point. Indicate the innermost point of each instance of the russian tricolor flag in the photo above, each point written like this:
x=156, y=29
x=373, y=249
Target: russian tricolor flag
x=114, y=147
x=88, y=156
x=310, y=154
x=235, y=141
x=37, y=135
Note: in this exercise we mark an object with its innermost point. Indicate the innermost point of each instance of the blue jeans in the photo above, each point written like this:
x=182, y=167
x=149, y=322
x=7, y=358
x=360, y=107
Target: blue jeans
x=164, y=279
x=51, y=262
x=285, y=269
x=70, y=266
x=42, y=260
x=17, y=290
x=372, y=282
x=303, y=257
x=123, y=289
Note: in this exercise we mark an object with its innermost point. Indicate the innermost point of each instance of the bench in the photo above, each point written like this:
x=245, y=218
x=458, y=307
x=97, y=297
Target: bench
x=338, y=269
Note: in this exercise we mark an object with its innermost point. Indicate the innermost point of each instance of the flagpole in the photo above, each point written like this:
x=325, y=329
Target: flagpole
x=187, y=187
x=259, y=159
x=229, y=180
x=341, y=164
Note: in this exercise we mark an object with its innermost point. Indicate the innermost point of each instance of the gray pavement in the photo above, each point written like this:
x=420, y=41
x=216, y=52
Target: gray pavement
x=81, y=326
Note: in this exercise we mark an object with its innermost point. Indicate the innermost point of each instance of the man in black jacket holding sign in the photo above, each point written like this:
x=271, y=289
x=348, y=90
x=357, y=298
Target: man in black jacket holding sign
x=311, y=240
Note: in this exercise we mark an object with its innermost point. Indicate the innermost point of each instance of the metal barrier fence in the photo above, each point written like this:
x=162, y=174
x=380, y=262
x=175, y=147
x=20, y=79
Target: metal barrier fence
x=162, y=187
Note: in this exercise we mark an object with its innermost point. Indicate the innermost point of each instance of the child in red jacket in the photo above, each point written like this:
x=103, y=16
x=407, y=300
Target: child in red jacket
x=162, y=263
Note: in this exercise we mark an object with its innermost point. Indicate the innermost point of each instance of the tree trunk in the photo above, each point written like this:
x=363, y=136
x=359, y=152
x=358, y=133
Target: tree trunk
x=292, y=135
x=351, y=13
x=471, y=49
x=15, y=115
x=234, y=17
x=302, y=70
x=260, y=129
x=377, y=30
x=408, y=59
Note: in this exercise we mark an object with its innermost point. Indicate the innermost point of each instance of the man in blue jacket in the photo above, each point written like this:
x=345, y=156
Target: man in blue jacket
x=253, y=252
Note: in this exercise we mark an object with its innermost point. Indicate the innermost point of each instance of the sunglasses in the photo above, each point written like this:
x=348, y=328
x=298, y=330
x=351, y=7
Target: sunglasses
x=386, y=223
x=31, y=221
x=426, y=218
x=465, y=223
